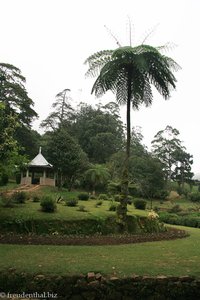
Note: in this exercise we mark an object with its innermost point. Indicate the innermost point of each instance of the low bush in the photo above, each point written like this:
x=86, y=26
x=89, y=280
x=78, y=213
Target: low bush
x=93, y=197
x=114, y=187
x=19, y=197
x=98, y=203
x=6, y=201
x=3, y=179
x=140, y=204
x=83, y=196
x=161, y=194
x=194, y=197
x=71, y=202
x=103, y=197
x=174, y=219
x=113, y=206
x=48, y=204
x=82, y=208
x=36, y=198
x=87, y=226
x=175, y=209
x=117, y=197
x=129, y=199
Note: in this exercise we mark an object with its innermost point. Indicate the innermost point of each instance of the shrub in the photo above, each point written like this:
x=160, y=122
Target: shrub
x=162, y=194
x=117, y=197
x=48, y=204
x=113, y=206
x=194, y=197
x=18, y=177
x=3, y=179
x=36, y=198
x=82, y=208
x=140, y=204
x=103, y=197
x=71, y=202
x=93, y=197
x=175, y=209
x=99, y=203
x=129, y=199
x=114, y=187
x=19, y=197
x=6, y=201
x=83, y=196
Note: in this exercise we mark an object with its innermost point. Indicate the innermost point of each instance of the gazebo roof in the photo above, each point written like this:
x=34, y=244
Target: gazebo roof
x=40, y=161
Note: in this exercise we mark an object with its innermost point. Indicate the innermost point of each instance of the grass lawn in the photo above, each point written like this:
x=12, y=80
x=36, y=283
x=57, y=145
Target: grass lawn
x=32, y=209
x=176, y=258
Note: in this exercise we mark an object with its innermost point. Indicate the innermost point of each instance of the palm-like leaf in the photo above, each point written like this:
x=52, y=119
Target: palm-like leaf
x=146, y=65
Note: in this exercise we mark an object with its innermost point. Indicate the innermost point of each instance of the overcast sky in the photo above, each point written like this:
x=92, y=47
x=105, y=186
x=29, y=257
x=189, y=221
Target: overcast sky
x=49, y=41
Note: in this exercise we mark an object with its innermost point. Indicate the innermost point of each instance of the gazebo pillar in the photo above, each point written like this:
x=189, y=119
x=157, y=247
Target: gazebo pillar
x=27, y=173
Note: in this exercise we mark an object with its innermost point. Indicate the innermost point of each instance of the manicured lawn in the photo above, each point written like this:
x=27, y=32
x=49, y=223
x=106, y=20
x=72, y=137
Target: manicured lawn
x=177, y=257
x=32, y=209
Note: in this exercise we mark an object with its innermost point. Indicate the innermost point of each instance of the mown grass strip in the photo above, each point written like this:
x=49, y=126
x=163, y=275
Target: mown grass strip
x=175, y=258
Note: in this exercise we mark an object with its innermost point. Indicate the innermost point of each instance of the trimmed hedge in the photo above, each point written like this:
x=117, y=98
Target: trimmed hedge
x=95, y=286
x=67, y=227
x=174, y=219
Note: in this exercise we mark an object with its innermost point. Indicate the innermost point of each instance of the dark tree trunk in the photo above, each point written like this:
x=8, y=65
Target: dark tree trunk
x=122, y=207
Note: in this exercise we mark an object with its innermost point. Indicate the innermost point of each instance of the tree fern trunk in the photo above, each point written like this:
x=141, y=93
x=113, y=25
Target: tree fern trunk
x=122, y=208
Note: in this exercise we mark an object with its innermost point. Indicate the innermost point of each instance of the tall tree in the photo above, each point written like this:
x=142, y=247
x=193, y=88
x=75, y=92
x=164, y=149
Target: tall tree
x=129, y=72
x=99, y=131
x=183, y=168
x=14, y=95
x=62, y=111
x=165, y=146
x=66, y=155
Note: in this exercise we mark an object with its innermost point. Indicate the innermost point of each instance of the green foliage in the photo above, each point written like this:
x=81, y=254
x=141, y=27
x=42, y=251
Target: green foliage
x=14, y=95
x=3, y=179
x=68, y=158
x=129, y=199
x=36, y=198
x=191, y=220
x=98, y=203
x=103, y=197
x=140, y=204
x=194, y=197
x=117, y=197
x=176, y=161
x=83, y=196
x=63, y=112
x=153, y=226
x=82, y=208
x=175, y=209
x=48, y=204
x=113, y=206
x=97, y=175
x=19, y=197
x=114, y=187
x=6, y=201
x=71, y=202
x=161, y=194
x=86, y=226
x=99, y=131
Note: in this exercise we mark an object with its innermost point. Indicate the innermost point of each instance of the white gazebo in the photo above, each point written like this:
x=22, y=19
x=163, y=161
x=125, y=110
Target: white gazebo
x=39, y=171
